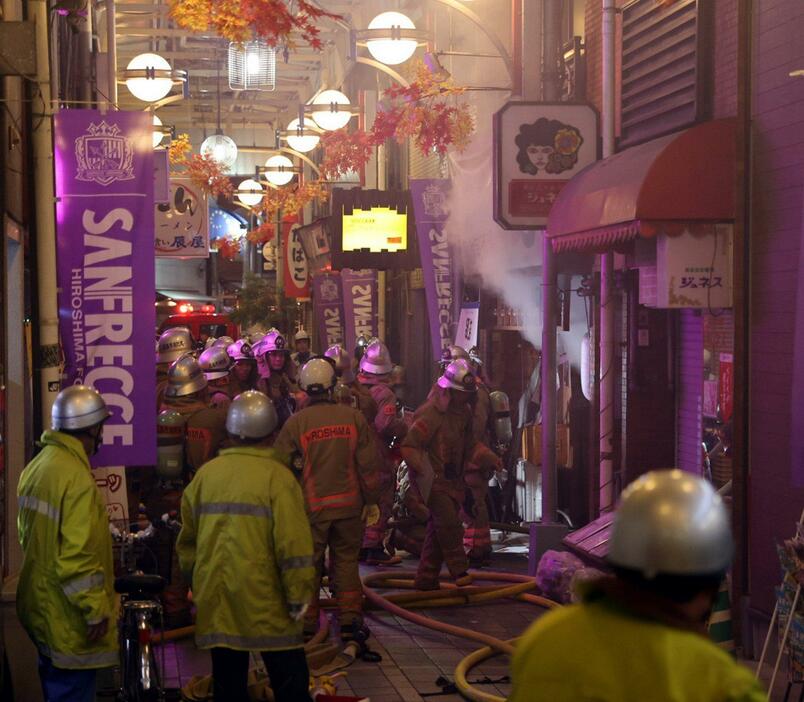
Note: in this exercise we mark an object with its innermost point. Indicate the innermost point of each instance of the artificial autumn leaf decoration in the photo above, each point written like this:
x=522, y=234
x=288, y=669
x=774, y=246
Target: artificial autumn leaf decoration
x=262, y=234
x=227, y=247
x=291, y=201
x=345, y=151
x=242, y=20
x=208, y=175
x=178, y=150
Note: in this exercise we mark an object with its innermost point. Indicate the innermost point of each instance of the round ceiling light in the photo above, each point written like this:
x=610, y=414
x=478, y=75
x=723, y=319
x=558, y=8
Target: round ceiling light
x=331, y=110
x=279, y=170
x=149, y=88
x=250, y=193
x=158, y=133
x=221, y=149
x=303, y=142
x=391, y=49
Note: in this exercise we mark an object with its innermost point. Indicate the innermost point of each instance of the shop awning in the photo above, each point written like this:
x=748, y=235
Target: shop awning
x=667, y=184
x=186, y=296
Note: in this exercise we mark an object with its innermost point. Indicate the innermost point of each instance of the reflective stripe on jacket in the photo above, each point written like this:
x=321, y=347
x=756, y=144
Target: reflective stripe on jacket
x=594, y=651
x=67, y=577
x=245, y=545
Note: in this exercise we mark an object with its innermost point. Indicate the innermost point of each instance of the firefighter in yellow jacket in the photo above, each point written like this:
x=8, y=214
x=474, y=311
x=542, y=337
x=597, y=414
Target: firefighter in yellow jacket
x=641, y=634
x=65, y=596
x=338, y=459
x=245, y=545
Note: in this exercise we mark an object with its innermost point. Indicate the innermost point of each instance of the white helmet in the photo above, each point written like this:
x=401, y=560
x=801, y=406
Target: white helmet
x=272, y=341
x=173, y=344
x=78, y=407
x=376, y=360
x=317, y=376
x=301, y=335
x=458, y=375
x=240, y=351
x=215, y=362
x=185, y=377
x=224, y=341
x=340, y=357
x=251, y=415
x=671, y=523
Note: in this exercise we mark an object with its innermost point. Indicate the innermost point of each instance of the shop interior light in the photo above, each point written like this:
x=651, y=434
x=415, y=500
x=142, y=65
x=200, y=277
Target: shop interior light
x=250, y=193
x=302, y=140
x=221, y=149
x=153, y=79
x=279, y=170
x=331, y=110
x=391, y=47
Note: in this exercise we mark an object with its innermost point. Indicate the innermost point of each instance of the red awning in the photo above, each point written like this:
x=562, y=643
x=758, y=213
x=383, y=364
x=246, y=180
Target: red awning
x=662, y=185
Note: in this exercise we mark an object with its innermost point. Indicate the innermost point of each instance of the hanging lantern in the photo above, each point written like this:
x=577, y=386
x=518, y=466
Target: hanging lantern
x=302, y=139
x=331, y=110
x=150, y=77
x=393, y=46
x=250, y=193
x=279, y=170
x=221, y=149
x=252, y=66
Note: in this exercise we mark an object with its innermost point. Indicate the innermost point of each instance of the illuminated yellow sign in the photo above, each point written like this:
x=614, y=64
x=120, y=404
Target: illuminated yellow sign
x=378, y=229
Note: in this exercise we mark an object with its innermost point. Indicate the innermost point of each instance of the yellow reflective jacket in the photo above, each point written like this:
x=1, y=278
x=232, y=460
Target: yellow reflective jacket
x=595, y=652
x=67, y=578
x=246, y=546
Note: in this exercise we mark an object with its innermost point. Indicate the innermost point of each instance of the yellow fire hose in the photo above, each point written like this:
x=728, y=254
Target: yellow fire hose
x=451, y=595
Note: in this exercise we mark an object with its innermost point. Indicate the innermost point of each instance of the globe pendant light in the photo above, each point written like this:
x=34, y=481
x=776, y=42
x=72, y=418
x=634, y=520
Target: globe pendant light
x=149, y=88
x=219, y=147
x=279, y=170
x=158, y=133
x=250, y=193
x=331, y=110
x=299, y=139
x=391, y=49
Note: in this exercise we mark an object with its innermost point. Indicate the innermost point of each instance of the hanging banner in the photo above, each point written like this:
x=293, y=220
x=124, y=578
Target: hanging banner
x=360, y=305
x=105, y=235
x=466, y=332
x=182, y=223
x=328, y=309
x=297, y=282
x=439, y=262
x=726, y=386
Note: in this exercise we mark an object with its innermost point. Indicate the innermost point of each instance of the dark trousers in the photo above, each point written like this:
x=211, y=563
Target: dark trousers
x=63, y=685
x=287, y=670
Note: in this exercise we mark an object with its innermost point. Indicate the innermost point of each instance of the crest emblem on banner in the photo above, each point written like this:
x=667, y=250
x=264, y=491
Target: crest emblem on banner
x=104, y=156
x=435, y=201
x=329, y=290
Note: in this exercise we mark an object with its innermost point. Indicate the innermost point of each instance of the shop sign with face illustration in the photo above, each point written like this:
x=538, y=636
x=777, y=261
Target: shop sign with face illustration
x=538, y=148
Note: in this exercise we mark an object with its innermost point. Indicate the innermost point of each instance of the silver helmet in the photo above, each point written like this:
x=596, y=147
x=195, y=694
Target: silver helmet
x=251, y=415
x=185, y=377
x=377, y=359
x=317, y=376
x=458, y=375
x=240, y=351
x=215, y=362
x=173, y=344
x=340, y=357
x=224, y=341
x=78, y=407
x=673, y=523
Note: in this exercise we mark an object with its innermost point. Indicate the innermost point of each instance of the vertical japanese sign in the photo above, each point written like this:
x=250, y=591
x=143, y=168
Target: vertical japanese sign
x=726, y=386
x=105, y=230
x=182, y=223
x=297, y=283
x=439, y=263
x=360, y=304
x=328, y=309
x=466, y=332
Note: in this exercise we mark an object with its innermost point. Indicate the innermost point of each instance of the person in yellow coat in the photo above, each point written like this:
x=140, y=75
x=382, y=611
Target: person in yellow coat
x=245, y=545
x=641, y=634
x=65, y=596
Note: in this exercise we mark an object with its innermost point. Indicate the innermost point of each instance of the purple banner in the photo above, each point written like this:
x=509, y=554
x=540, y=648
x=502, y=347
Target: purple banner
x=328, y=309
x=439, y=263
x=105, y=232
x=360, y=305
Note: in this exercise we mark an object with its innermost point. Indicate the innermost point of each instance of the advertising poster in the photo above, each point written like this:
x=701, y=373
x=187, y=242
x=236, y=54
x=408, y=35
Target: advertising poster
x=182, y=223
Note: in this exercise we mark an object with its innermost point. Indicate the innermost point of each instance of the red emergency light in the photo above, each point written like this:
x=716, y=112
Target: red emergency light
x=208, y=309
x=185, y=307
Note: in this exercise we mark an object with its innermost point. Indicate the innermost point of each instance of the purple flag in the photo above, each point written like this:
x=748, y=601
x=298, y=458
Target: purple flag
x=105, y=231
x=328, y=309
x=360, y=305
x=439, y=263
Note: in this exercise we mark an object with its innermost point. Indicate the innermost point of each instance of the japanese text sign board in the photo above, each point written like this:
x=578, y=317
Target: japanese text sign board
x=538, y=147
x=297, y=283
x=105, y=229
x=182, y=223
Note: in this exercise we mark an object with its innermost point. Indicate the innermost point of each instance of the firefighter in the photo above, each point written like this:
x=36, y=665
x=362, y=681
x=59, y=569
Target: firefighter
x=216, y=364
x=641, y=634
x=359, y=396
x=375, y=373
x=65, y=596
x=301, y=342
x=338, y=459
x=244, y=366
x=278, y=381
x=450, y=354
x=173, y=344
x=245, y=545
x=439, y=449
x=361, y=343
